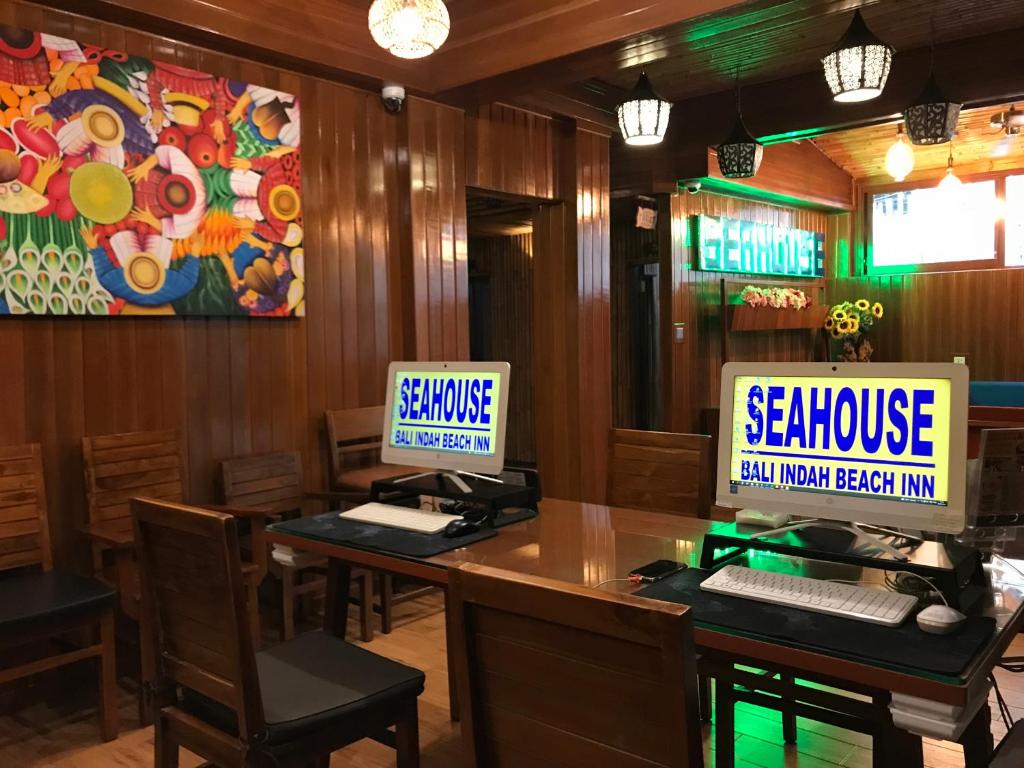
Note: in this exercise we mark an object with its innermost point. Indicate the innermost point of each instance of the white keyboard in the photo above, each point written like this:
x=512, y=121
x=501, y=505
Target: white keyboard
x=876, y=606
x=419, y=520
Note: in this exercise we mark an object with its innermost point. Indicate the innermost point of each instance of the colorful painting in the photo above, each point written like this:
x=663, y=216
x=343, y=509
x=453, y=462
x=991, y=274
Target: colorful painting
x=132, y=187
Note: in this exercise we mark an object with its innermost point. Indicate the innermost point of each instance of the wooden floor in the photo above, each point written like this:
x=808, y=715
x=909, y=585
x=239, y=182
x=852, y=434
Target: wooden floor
x=58, y=725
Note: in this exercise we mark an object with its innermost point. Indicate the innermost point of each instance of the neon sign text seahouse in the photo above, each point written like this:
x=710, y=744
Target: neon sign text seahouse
x=731, y=245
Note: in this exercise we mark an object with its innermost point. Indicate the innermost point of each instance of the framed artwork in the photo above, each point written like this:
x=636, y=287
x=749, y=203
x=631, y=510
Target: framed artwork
x=133, y=187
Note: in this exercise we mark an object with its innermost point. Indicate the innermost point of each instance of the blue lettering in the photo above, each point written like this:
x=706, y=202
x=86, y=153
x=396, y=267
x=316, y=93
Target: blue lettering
x=754, y=399
x=845, y=399
x=897, y=437
x=474, y=401
x=485, y=401
x=795, y=428
x=871, y=442
x=774, y=415
x=449, y=400
x=820, y=417
x=921, y=422
x=403, y=406
x=436, y=394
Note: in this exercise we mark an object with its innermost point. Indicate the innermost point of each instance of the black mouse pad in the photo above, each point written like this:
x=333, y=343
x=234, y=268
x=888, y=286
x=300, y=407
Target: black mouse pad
x=330, y=527
x=903, y=647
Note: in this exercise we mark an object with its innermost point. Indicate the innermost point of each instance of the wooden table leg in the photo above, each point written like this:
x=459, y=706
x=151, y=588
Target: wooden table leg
x=339, y=585
x=725, y=723
x=453, y=693
x=977, y=740
x=894, y=746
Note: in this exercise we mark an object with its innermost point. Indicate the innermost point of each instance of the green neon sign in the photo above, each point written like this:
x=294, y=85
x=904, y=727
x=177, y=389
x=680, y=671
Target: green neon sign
x=731, y=245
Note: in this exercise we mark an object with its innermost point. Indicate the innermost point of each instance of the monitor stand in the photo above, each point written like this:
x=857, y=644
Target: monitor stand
x=453, y=477
x=857, y=529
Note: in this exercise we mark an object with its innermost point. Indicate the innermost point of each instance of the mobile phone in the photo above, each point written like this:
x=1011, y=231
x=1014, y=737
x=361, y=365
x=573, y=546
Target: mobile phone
x=657, y=570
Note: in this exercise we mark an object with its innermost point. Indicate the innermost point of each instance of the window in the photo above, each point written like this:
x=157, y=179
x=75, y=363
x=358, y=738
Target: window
x=915, y=228
x=1014, y=221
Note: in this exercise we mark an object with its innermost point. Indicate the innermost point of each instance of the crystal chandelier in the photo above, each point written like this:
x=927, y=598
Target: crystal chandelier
x=899, y=160
x=643, y=116
x=409, y=29
x=856, y=69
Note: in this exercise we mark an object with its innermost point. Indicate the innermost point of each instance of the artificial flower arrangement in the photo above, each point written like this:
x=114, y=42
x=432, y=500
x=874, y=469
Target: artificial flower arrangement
x=848, y=322
x=774, y=297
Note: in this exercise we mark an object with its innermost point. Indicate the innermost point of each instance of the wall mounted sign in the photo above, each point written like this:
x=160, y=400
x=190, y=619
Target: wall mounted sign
x=133, y=187
x=732, y=245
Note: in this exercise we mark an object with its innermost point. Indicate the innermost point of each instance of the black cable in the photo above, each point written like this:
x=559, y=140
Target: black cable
x=1004, y=709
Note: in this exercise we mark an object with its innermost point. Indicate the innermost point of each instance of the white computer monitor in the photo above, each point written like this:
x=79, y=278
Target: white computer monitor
x=881, y=444
x=446, y=416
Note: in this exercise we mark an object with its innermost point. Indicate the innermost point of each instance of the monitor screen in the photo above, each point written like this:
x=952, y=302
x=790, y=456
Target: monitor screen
x=446, y=415
x=854, y=444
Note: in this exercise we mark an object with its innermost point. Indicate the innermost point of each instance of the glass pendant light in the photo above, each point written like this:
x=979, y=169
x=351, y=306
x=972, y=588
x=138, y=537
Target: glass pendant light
x=950, y=183
x=643, y=116
x=857, y=68
x=739, y=156
x=409, y=29
x=899, y=160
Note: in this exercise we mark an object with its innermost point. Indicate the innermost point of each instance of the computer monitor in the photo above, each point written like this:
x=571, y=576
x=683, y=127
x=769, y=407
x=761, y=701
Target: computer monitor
x=880, y=444
x=446, y=416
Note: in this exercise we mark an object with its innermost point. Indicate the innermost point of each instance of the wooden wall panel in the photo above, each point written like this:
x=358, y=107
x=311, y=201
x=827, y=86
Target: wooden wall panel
x=507, y=264
x=250, y=385
x=696, y=362
x=437, y=210
x=510, y=150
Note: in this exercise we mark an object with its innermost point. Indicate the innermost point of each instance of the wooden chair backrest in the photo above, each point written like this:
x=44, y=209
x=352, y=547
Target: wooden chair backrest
x=193, y=597
x=271, y=481
x=24, y=530
x=354, y=437
x=120, y=467
x=660, y=471
x=558, y=675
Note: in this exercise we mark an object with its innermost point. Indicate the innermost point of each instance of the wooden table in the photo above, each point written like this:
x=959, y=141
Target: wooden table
x=590, y=543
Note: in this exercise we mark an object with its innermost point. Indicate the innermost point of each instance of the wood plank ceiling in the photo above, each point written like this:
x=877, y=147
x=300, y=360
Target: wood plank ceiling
x=977, y=148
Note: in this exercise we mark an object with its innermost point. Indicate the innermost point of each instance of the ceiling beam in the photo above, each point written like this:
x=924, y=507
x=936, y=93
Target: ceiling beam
x=557, y=43
x=340, y=50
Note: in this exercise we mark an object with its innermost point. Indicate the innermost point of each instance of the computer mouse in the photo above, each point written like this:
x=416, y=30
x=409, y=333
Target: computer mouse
x=940, y=619
x=460, y=527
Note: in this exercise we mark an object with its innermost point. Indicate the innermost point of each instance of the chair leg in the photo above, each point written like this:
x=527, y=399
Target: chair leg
x=788, y=716
x=407, y=739
x=725, y=725
x=165, y=748
x=287, y=602
x=252, y=587
x=386, y=602
x=366, y=620
x=147, y=672
x=109, y=718
x=704, y=697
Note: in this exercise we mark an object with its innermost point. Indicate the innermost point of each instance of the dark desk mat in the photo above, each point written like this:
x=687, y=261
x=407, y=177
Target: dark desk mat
x=906, y=646
x=332, y=528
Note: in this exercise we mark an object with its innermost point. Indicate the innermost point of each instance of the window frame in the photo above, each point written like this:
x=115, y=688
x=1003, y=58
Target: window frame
x=999, y=230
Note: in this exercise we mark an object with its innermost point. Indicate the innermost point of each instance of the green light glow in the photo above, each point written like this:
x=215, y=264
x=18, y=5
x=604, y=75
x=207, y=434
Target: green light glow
x=732, y=245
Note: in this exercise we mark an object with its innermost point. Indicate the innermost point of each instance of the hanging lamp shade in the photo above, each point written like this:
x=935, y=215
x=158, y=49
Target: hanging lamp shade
x=739, y=156
x=857, y=68
x=643, y=116
x=409, y=29
x=932, y=118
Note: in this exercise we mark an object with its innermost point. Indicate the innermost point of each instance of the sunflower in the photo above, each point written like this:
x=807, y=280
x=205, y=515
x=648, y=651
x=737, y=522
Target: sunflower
x=877, y=310
x=844, y=326
x=854, y=324
x=836, y=333
x=829, y=323
x=838, y=315
x=863, y=304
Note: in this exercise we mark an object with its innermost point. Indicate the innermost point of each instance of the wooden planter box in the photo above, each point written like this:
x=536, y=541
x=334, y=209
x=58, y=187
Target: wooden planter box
x=746, y=318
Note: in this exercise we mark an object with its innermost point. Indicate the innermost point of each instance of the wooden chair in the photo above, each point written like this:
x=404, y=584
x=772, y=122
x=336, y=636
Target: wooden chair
x=353, y=445
x=273, y=482
x=661, y=471
x=289, y=706
x=557, y=675
x=38, y=603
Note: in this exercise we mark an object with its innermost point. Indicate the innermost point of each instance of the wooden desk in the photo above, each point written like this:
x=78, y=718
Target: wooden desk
x=590, y=543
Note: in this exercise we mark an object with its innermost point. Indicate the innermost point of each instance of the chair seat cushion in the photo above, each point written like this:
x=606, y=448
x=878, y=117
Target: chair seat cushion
x=37, y=600
x=358, y=479
x=313, y=681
